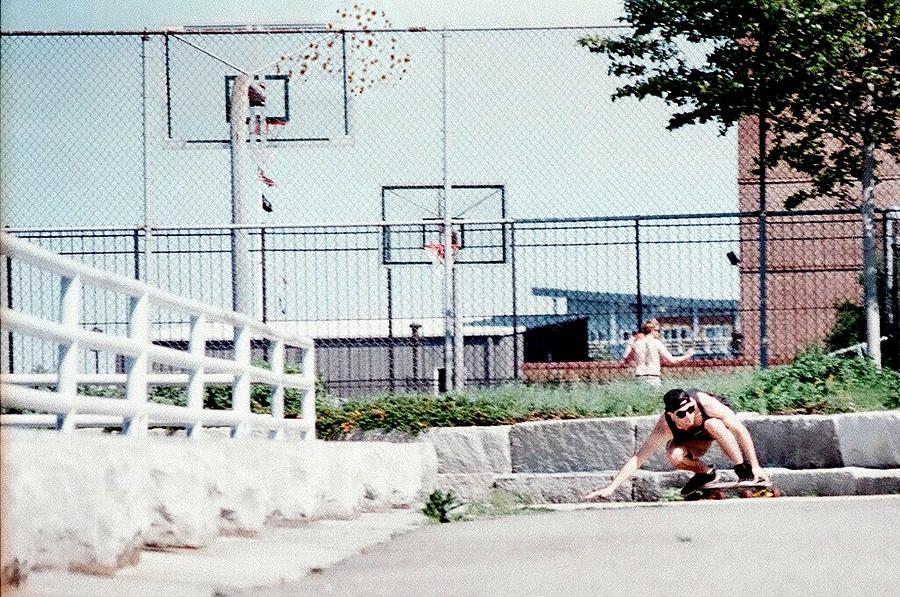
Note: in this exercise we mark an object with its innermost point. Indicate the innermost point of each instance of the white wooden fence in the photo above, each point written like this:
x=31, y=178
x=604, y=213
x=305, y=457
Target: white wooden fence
x=134, y=413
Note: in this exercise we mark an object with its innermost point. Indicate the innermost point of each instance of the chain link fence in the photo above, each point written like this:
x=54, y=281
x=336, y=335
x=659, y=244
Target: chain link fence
x=570, y=218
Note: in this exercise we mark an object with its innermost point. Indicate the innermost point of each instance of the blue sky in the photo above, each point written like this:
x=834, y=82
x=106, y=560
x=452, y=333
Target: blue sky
x=49, y=15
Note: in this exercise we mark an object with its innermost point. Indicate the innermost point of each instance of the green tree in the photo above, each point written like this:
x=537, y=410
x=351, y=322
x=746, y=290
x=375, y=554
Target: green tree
x=823, y=74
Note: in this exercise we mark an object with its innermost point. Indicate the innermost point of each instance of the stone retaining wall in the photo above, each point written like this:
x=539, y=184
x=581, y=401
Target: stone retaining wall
x=92, y=502
x=472, y=459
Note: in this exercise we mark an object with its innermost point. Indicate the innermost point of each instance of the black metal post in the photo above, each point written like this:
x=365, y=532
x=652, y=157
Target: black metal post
x=763, y=248
x=884, y=304
x=416, y=342
x=137, y=253
x=9, y=305
x=515, y=313
x=637, y=259
x=262, y=268
x=390, y=317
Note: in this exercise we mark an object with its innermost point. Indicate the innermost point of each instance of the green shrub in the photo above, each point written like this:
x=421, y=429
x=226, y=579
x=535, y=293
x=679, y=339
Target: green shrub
x=440, y=504
x=817, y=383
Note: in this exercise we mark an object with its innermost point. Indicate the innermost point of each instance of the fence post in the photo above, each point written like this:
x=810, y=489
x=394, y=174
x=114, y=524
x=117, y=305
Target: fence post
x=240, y=391
x=763, y=251
x=67, y=385
x=136, y=368
x=6, y=343
x=887, y=312
x=895, y=278
x=196, y=383
x=308, y=405
x=637, y=268
x=276, y=395
x=515, y=305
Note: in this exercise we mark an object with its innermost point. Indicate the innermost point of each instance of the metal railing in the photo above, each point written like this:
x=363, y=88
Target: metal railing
x=134, y=413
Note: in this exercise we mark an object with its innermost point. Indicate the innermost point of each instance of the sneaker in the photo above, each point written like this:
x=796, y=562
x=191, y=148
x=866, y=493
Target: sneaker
x=699, y=480
x=744, y=473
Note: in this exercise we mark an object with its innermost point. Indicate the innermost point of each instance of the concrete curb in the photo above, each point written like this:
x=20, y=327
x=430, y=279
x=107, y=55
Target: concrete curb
x=555, y=488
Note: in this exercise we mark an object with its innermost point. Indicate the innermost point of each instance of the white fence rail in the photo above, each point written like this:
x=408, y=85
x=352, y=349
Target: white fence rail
x=134, y=413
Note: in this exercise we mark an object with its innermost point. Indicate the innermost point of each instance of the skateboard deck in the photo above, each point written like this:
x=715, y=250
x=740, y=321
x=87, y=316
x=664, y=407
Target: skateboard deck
x=719, y=491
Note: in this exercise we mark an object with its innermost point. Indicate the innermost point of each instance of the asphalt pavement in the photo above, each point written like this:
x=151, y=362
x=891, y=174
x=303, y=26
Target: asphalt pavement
x=784, y=546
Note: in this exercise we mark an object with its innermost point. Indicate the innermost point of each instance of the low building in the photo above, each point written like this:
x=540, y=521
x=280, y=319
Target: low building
x=710, y=326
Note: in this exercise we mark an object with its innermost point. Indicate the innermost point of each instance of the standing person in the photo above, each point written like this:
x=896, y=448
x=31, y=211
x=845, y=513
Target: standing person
x=648, y=353
x=691, y=422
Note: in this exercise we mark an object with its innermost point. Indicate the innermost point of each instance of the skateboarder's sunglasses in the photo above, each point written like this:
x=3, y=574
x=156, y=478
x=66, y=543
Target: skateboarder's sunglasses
x=683, y=413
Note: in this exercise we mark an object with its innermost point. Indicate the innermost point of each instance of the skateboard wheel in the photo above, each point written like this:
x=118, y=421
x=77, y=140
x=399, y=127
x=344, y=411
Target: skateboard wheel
x=717, y=495
x=746, y=493
x=776, y=492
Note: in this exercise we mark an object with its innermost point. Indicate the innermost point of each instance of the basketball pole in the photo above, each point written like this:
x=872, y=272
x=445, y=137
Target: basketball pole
x=454, y=341
x=242, y=277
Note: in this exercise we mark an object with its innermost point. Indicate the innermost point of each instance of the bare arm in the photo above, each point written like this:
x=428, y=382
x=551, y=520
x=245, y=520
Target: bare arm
x=657, y=438
x=666, y=357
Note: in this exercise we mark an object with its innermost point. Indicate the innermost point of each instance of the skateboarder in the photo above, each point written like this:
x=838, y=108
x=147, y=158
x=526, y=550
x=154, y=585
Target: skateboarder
x=691, y=422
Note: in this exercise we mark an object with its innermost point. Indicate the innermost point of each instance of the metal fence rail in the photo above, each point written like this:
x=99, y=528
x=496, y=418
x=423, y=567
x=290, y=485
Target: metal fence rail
x=567, y=289
x=140, y=352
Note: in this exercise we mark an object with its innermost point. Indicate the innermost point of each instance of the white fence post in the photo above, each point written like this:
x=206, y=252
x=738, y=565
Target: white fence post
x=240, y=391
x=276, y=396
x=136, y=368
x=196, y=381
x=70, y=317
x=308, y=405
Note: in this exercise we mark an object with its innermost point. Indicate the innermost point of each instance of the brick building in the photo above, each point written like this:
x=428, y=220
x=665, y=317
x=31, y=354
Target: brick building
x=814, y=261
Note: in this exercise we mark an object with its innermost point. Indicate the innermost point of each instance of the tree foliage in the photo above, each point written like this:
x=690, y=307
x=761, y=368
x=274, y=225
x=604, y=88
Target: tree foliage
x=826, y=73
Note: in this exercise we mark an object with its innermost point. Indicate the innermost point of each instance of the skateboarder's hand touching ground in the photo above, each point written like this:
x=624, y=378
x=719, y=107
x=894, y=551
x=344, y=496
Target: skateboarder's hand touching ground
x=603, y=493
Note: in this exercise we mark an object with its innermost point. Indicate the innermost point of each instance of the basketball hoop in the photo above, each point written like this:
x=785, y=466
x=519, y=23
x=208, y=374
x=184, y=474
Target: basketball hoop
x=435, y=252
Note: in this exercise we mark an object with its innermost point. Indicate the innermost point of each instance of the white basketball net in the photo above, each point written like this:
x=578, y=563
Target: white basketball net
x=435, y=252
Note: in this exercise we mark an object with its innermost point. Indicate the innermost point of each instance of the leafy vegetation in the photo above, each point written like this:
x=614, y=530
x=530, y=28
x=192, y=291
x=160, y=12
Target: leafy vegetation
x=813, y=383
x=440, y=504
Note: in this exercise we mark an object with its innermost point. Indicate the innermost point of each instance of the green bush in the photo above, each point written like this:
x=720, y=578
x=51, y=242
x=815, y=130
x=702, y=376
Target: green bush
x=817, y=383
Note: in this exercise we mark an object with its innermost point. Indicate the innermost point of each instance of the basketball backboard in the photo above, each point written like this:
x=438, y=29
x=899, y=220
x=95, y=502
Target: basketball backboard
x=414, y=220
x=198, y=83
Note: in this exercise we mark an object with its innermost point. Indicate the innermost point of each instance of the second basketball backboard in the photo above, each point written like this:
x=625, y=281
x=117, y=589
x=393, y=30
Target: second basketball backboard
x=414, y=221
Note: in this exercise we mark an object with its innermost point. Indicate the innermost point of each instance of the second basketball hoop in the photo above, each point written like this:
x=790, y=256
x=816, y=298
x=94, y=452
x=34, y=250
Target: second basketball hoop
x=436, y=252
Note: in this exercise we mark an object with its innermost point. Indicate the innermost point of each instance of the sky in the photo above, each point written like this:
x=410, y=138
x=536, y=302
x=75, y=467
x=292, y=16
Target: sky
x=560, y=147
x=52, y=15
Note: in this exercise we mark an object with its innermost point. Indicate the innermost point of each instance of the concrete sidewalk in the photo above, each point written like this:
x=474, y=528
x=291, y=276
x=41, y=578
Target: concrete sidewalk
x=234, y=565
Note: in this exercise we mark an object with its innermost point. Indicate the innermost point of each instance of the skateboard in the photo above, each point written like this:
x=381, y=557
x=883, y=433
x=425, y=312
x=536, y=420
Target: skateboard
x=719, y=491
